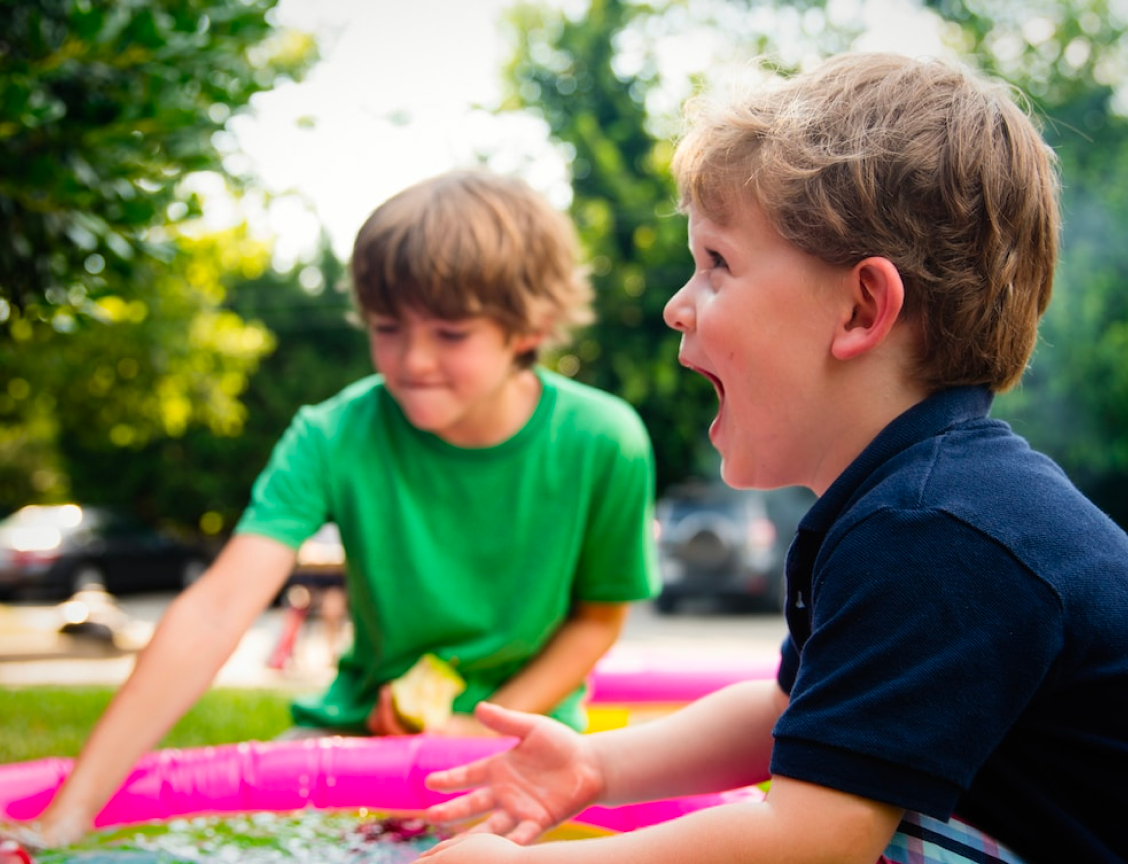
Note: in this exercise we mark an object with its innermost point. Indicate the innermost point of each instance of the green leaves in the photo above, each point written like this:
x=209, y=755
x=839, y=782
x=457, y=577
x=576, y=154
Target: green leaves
x=113, y=331
x=104, y=110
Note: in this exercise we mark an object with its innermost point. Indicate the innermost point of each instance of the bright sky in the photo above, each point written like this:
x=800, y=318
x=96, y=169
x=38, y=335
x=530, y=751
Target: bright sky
x=392, y=102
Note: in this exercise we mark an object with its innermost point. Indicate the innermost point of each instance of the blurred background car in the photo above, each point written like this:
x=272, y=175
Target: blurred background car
x=726, y=545
x=54, y=551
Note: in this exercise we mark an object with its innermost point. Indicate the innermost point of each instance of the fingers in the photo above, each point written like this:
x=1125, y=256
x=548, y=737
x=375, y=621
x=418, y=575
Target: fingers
x=459, y=809
x=525, y=833
x=441, y=847
x=461, y=777
x=499, y=823
x=504, y=721
x=381, y=719
x=505, y=825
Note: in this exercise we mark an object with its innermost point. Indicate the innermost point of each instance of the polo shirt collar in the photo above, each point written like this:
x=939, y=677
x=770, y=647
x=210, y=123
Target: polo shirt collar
x=936, y=414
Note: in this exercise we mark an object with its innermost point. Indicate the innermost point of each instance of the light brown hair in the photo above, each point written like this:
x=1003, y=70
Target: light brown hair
x=917, y=161
x=468, y=243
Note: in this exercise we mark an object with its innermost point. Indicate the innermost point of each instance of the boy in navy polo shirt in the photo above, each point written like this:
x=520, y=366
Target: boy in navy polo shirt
x=874, y=246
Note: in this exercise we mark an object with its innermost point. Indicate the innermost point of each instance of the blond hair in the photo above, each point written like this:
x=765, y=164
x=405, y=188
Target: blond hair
x=917, y=161
x=468, y=243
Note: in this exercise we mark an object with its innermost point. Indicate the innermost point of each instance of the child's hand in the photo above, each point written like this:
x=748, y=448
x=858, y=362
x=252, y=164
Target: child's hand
x=474, y=849
x=52, y=831
x=465, y=726
x=382, y=718
x=547, y=778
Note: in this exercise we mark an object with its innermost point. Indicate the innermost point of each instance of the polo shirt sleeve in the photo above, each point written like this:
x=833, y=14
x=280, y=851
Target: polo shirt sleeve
x=890, y=699
x=289, y=500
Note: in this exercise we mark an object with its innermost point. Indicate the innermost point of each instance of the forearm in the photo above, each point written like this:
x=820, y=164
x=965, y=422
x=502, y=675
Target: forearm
x=170, y=674
x=567, y=659
x=703, y=749
x=747, y=833
x=198, y=633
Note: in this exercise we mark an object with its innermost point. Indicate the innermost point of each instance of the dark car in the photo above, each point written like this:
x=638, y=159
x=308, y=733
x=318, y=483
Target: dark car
x=726, y=544
x=52, y=551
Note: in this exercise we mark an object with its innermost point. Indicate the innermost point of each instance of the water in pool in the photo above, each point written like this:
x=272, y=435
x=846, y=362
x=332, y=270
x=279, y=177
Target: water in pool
x=307, y=836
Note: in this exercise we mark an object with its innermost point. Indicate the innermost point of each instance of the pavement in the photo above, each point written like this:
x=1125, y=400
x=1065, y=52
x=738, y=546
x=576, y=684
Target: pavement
x=33, y=651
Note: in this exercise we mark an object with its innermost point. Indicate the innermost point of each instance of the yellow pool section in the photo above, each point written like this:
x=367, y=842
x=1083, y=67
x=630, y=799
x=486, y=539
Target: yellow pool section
x=611, y=716
x=574, y=831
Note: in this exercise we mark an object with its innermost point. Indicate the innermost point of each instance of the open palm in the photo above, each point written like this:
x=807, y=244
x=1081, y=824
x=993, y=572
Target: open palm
x=549, y=776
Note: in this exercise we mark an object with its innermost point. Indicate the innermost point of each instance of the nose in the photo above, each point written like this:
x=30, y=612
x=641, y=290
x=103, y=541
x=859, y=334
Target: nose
x=679, y=311
x=416, y=354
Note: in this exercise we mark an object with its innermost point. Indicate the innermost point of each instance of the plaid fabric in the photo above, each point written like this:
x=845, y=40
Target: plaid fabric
x=921, y=839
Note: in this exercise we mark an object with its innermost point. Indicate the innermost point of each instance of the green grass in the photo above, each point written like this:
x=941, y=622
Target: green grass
x=54, y=721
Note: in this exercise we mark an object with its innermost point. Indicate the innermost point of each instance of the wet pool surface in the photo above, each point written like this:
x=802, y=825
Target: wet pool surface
x=307, y=836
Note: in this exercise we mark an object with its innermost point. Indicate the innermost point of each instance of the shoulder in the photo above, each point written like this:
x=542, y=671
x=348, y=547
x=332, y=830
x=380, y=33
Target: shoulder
x=361, y=398
x=980, y=492
x=593, y=412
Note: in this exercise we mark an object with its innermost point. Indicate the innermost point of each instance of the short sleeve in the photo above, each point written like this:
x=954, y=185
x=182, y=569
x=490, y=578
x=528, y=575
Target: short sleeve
x=892, y=698
x=289, y=499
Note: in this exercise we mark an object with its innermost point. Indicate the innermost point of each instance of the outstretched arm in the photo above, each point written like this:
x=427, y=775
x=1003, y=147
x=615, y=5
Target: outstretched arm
x=198, y=633
x=720, y=742
x=798, y=824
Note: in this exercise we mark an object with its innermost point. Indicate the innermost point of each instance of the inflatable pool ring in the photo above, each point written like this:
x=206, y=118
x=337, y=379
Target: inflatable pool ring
x=630, y=685
x=327, y=773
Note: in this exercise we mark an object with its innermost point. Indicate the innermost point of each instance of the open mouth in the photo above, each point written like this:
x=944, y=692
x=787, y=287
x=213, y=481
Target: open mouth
x=711, y=378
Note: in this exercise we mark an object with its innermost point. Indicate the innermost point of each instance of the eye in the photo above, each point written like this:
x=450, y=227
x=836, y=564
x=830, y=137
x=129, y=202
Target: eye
x=448, y=334
x=716, y=260
x=384, y=326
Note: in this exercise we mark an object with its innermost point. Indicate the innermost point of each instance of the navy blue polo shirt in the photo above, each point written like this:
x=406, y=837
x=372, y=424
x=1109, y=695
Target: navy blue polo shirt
x=958, y=617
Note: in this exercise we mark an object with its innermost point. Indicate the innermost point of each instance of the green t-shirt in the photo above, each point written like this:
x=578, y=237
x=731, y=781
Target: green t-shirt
x=475, y=555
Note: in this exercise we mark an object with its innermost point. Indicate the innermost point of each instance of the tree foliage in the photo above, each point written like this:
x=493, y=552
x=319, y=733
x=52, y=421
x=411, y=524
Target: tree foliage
x=204, y=476
x=625, y=211
x=1072, y=60
x=105, y=108
x=114, y=335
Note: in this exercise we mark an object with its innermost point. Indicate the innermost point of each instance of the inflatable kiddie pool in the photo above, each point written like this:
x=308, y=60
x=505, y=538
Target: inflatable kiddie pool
x=633, y=684
x=383, y=774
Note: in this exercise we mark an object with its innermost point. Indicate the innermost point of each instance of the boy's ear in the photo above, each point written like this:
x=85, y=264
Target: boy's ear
x=524, y=342
x=877, y=295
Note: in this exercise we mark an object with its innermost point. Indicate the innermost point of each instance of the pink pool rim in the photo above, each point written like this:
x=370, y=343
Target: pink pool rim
x=327, y=773
x=377, y=773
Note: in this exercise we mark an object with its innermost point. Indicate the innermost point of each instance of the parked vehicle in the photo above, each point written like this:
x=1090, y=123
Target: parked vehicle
x=726, y=544
x=53, y=551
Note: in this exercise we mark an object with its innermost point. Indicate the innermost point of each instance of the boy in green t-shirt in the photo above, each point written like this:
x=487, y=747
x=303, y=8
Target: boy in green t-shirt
x=493, y=513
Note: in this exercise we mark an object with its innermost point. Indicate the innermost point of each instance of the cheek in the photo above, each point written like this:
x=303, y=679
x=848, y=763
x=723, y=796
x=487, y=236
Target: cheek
x=381, y=356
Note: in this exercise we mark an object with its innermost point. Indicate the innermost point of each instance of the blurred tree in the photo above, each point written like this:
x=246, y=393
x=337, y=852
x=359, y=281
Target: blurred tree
x=203, y=477
x=321, y=348
x=113, y=333
x=1072, y=59
x=105, y=108
x=595, y=80
x=625, y=211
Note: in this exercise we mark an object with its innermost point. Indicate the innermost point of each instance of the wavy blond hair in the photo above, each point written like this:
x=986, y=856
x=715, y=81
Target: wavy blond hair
x=918, y=161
